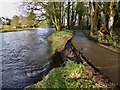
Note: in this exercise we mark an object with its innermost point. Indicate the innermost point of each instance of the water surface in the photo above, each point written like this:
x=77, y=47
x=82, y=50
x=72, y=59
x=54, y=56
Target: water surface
x=24, y=53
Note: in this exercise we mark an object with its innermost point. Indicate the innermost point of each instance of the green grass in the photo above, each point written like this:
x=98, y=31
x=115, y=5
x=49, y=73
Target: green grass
x=69, y=76
x=114, y=42
x=15, y=30
x=58, y=39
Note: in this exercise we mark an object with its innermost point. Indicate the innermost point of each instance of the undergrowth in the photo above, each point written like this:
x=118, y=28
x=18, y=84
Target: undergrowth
x=69, y=76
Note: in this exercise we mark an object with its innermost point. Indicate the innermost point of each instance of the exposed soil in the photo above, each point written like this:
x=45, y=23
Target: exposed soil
x=70, y=53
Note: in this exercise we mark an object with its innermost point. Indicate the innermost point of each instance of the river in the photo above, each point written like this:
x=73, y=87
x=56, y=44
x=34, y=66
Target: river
x=24, y=54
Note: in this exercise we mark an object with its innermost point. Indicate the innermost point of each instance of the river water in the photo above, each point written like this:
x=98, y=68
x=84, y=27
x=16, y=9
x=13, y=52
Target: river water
x=24, y=53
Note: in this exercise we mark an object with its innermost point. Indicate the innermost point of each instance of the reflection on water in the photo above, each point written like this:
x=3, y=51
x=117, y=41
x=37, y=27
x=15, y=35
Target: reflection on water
x=24, y=54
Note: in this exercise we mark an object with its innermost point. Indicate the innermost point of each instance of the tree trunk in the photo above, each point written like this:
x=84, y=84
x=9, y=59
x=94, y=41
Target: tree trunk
x=110, y=26
x=72, y=17
x=79, y=20
x=95, y=18
x=91, y=17
x=111, y=18
x=68, y=16
x=58, y=27
x=60, y=18
x=87, y=23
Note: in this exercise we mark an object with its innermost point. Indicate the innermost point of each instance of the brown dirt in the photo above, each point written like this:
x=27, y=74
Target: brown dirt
x=61, y=48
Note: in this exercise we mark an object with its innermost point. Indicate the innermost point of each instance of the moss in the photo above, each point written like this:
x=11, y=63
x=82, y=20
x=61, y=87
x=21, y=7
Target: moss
x=59, y=39
x=69, y=76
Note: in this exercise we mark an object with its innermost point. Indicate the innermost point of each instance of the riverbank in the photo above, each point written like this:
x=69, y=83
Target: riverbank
x=73, y=71
x=15, y=30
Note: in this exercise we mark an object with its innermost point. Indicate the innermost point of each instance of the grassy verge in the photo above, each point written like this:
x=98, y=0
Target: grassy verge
x=14, y=30
x=72, y=75
x=114, y=42
x=59, y=39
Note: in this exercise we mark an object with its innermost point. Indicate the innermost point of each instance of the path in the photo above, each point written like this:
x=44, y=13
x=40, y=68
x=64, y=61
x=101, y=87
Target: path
x=103, y=59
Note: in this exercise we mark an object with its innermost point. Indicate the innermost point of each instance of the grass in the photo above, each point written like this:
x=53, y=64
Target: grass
x=114, y=42
x=59, y=39
x=69, y=76
x=14, y=30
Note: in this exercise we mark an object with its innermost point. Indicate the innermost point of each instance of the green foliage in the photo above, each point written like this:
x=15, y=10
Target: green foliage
x=31, y=19
x=53, y=12
x=8, y=22
x=14, y=30
x=57, y=39
x=44, y=24
x=23, y=21
x=15, y=22
x=69, y=76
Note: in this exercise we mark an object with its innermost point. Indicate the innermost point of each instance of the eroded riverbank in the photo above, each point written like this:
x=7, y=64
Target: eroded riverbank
x=69, y=53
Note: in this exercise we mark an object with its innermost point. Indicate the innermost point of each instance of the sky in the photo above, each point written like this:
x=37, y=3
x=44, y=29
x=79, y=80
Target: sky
x=9, y=8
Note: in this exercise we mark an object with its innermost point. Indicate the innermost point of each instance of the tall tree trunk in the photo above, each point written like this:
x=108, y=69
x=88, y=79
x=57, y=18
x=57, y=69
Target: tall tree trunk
x=111, y=18
x=110, y=26
x=91, y=17
x=87, y=23
x=56, y=17
x=94, y=18
x=103, y=32
x=68, y=16
x=72, y=17
x=60, y=16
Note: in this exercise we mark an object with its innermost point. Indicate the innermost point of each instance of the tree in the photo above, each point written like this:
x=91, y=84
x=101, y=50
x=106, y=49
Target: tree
x=49, y=10
x=53, y=12
x=112, y=13
x=23, y=21
x=68, y=15
x=94, y=14
x=8, y=21
x=80, y=11
x=31, y=18
x=104, y=14
x=15, y=22
x=73, y=15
